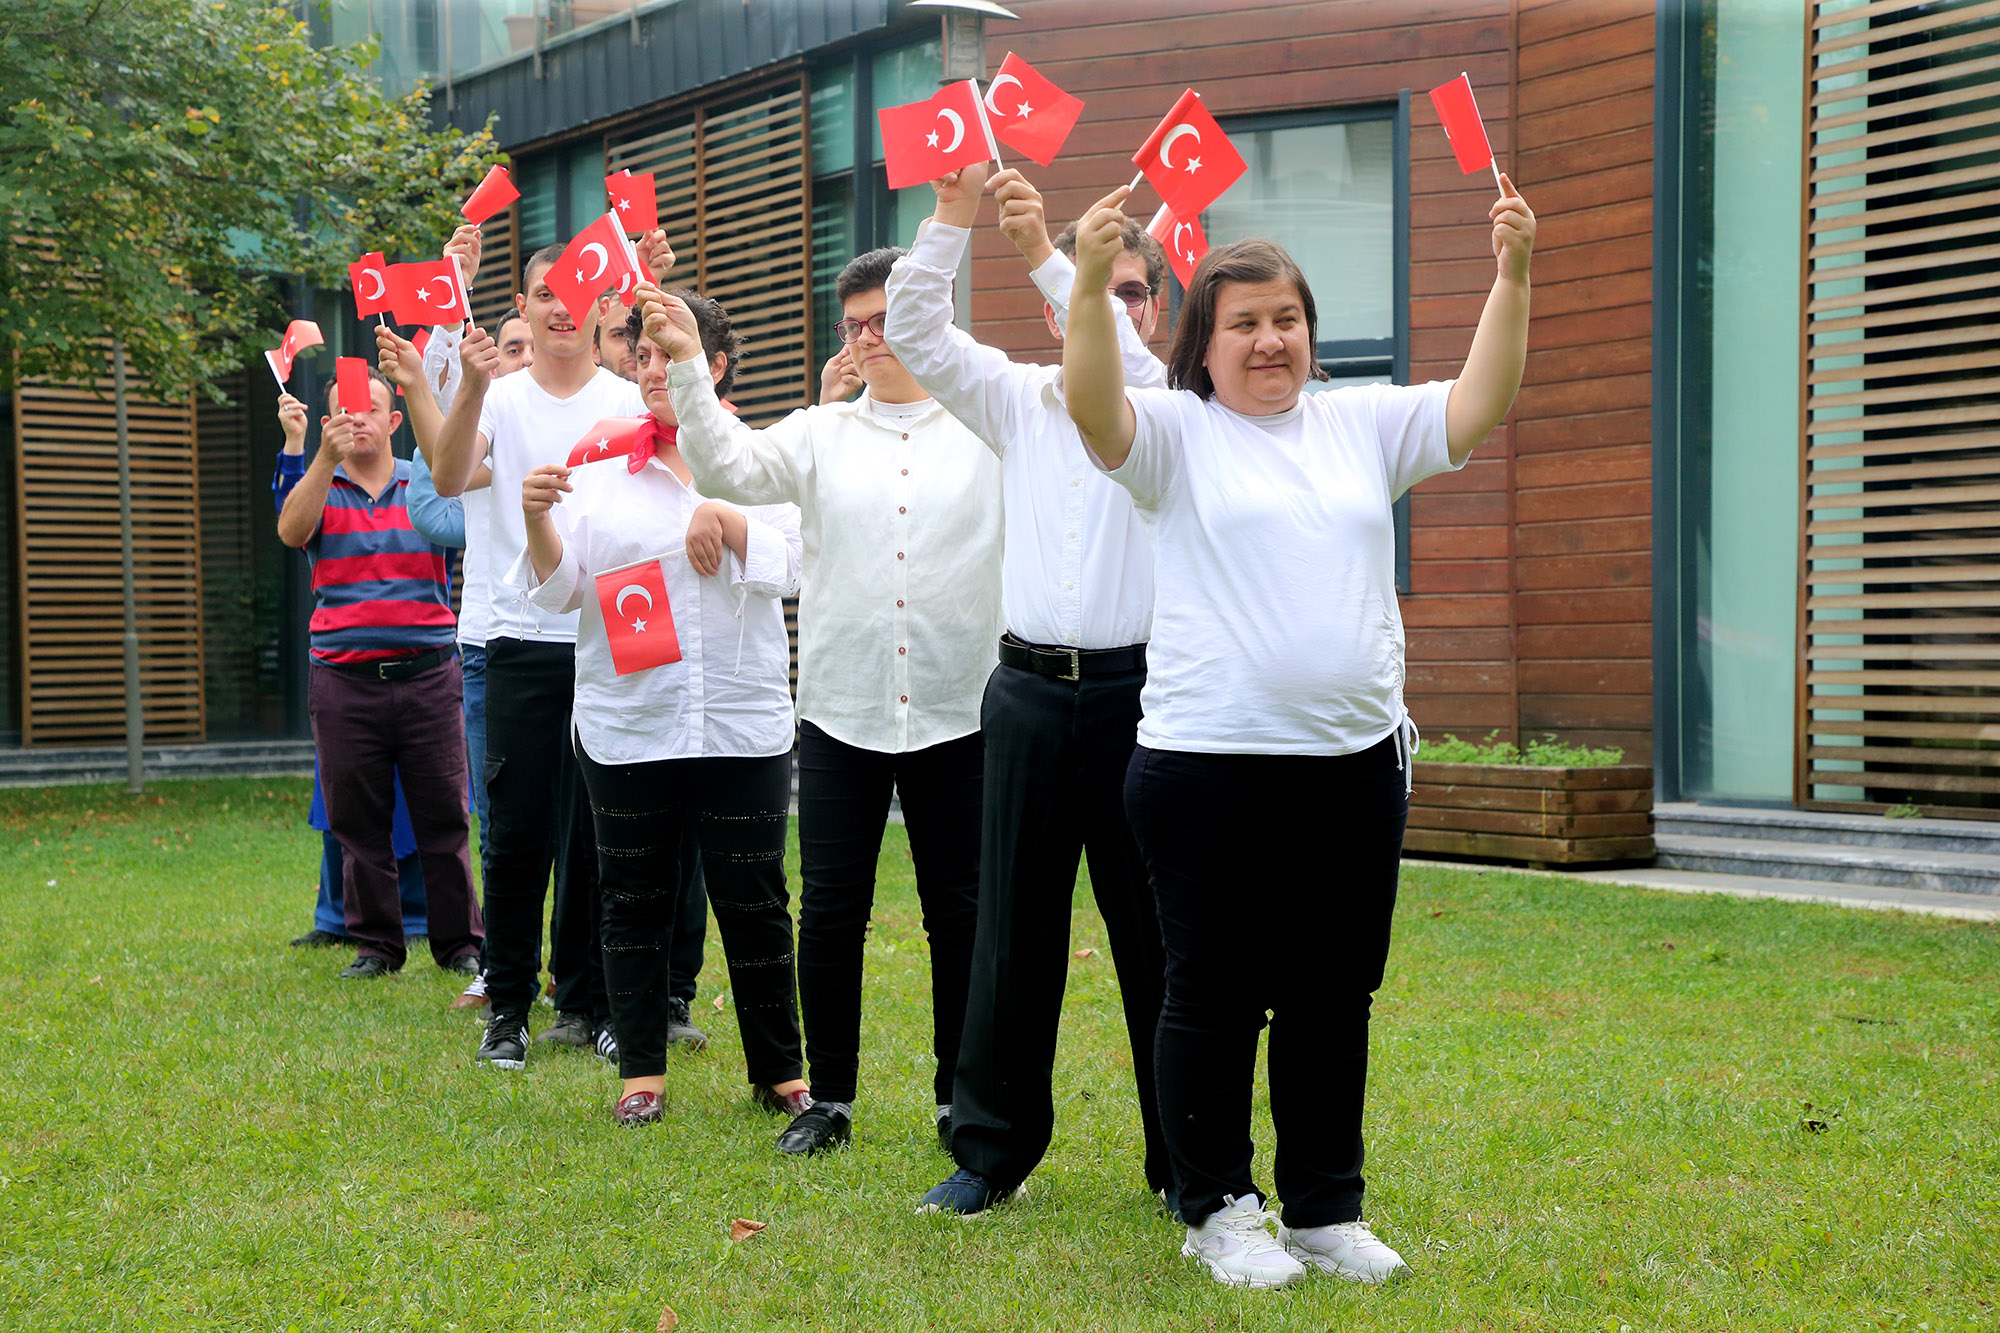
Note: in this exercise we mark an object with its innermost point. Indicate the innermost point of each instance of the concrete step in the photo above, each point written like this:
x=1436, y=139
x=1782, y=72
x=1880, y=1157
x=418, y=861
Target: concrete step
x=1940, y=835
x=72, y=765
x=1839, y=863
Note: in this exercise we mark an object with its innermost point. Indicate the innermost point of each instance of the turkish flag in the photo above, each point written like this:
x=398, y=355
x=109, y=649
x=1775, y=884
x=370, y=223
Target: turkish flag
x=356, y=390
x=924, y=140
x=600, y=257
x=612, y=437
x=1188, y=158
x=368, y=276
x=1462, y=125
x=634, y=200
x=426, y=293
x=299, y=335
x=490, y=196
x=638, y=621
x=1029, y=113
x=1183, y=242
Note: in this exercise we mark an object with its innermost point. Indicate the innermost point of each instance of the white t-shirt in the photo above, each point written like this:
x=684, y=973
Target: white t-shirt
x=525, y=426
x=1275, y=625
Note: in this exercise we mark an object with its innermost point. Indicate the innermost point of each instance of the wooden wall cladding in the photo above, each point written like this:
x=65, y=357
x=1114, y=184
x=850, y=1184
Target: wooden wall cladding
x=732, y=184
x=1900, y=572
x=500, y=260
x=69, y=585
x=1530, y=603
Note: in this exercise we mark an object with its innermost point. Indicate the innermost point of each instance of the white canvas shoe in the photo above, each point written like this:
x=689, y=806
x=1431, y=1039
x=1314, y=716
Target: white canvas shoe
x=1237, y=1245
x=1345, y=1249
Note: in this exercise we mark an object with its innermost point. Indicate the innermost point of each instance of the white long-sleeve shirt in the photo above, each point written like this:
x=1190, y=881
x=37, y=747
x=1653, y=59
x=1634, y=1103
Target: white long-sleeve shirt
x=441, y=368
x=1078, y=569
x=730, y=694
x=899, y=605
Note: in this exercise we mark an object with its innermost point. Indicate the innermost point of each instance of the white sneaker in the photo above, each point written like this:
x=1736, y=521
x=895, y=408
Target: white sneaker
x=1345, y=1249
x=1237, y=1245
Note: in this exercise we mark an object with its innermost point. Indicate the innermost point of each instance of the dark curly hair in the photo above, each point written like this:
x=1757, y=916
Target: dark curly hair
x=718, y=335
x=864, y=273
x=1137, y=240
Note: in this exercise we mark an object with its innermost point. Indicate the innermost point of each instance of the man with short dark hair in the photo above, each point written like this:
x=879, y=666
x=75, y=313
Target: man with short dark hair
x=384, y=687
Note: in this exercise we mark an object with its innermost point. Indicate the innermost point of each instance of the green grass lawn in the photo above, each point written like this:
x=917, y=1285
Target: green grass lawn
x=1593, y=1107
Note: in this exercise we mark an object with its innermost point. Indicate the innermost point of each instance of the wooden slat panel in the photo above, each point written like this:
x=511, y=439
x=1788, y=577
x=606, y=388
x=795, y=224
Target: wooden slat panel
x=69, y=584
x=500, y=260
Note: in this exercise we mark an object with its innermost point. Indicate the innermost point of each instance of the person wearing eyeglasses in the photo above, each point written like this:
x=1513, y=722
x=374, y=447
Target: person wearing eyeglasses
x=1061, y=711
x=899, y=609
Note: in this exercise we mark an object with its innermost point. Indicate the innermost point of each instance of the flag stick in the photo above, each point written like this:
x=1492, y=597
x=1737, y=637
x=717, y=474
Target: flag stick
x=1135, y=181
x=273, y=365
x=1494, y=162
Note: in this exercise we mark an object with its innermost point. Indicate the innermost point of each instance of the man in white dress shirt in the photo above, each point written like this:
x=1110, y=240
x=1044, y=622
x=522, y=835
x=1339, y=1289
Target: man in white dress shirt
x=1062, y=708
x=899, y=607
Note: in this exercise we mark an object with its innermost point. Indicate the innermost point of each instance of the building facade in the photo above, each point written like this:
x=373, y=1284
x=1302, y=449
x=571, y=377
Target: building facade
x=1741, y=524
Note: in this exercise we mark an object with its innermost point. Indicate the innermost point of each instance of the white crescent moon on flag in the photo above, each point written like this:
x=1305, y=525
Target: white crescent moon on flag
x=994, y=87
x=603, y=260
x=957, y=129
x=627, y=591
x=1167, y=144
x=380, y=286
x=1187, y=254
x=449, y=296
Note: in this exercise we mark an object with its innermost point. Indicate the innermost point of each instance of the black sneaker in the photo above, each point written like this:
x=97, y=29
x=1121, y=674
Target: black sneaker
x=506, y=1043
x=681, y=1030
x=366, y=968
x=465, y=965
x=965, y=1194
x=824, y=1125
x=607, y=1044
x=570, y=1029
x=322, y=939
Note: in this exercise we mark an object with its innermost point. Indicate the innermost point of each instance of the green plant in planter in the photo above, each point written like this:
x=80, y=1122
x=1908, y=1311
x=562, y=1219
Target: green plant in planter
x=1544, y=752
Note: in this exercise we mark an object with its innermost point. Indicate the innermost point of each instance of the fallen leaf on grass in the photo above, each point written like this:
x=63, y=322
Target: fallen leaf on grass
x=99, y=977
x=720, y=997
x=669, y=1321
x=743, y=1228
x=1086, y=953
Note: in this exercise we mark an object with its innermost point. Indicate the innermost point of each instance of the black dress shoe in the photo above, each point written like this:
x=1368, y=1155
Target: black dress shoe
x=366, y=968
x=465, y=965
x=321, y=939
x=822, y=1126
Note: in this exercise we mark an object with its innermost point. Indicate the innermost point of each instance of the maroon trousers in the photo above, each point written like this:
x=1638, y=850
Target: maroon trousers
x=367, y=729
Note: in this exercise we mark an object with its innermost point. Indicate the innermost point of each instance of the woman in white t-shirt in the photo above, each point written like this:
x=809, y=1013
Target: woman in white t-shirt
x=1271, y=781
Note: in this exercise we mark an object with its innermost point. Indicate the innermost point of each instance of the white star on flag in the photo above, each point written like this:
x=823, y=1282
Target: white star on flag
x=604, y=444
x=424, y=293
x=1193, y=165
x=624, y=205
x=931, y=139
x=1025, y=109
x=638, y=627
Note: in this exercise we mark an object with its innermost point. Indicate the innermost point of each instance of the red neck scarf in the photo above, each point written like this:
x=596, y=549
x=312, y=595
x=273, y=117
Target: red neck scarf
x=653, y=433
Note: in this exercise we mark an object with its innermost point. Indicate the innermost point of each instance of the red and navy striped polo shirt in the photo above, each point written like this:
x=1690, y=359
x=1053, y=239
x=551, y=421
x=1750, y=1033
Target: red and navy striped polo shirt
x=379, y=589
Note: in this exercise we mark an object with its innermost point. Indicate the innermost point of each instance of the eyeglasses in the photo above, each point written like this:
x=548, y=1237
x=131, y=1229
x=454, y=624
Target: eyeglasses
x=1133, y=294
x=850, y=329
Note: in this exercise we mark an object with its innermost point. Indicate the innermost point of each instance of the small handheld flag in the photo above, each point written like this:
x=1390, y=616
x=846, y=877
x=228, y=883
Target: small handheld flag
x=1183, y=242
x=1462, y=125
x=368, y=276
x=299, y=335
x=1188, y=158
x=428, y=292
x=600, y=256
x=1028, y=112
x=350, y=377
x=634, y=201
x=489, y=196
x=924, y=140
x=613, y=437
x=638, y=620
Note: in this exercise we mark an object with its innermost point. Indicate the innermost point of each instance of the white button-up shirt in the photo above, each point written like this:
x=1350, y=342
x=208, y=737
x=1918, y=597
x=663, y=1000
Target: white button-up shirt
x=730, y=694
x=899, y=605
x=1078, y=571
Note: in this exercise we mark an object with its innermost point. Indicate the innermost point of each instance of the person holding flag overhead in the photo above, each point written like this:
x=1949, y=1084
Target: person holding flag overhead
x=683, y=710
x=1060, y=710
x=1274, y=723
x=899, y=609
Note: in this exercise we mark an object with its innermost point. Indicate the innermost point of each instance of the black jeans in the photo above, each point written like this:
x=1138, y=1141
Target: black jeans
x=691, y=917
x=541, y=819
x=1056, y=754
x=843, y=808
x=641, y=812
x=1275, y=877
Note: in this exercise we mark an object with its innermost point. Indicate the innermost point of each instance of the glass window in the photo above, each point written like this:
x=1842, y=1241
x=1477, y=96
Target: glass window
x=587, y=200
x=906, y=74
x=832, y=120
x=833, y=246
x=535, y=178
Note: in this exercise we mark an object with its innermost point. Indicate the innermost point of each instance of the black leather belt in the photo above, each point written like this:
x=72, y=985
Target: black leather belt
x=393, y=668
x=1070, y=663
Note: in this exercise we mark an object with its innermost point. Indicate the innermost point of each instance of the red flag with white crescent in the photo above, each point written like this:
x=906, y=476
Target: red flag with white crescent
x=612, y=437
x=489, y=196
x=369, y=277
x=634, y=200
x=1188, y=158
x=638, y=620
x=599, y=259
x=924, y=140
x=299, y=335
x=1183, y=242
x=1028, y=112
x=429, y=292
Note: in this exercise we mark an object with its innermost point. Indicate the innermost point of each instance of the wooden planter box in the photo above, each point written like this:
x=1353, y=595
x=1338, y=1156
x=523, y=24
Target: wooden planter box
x=1545, y=816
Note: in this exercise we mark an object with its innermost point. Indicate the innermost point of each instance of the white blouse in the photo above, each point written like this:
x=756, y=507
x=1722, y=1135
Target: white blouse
x=730, y=694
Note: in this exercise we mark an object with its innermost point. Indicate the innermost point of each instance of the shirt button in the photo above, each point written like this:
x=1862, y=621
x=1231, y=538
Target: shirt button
x=906, y=472
x=1069, y=587
x=901, y=651
x=906, y=698
x=902, y=509
x=899, y=555
x=899, y=601
x=1072, y=536
x=1076, y=481
x=906, y=435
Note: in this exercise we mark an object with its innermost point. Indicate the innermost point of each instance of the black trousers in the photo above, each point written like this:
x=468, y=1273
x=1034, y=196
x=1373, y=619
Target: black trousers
x=691, y=916
x=1275, y=877
x=1056, y=754
x=843, y=808
x=541, y=819
x=740, y=807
